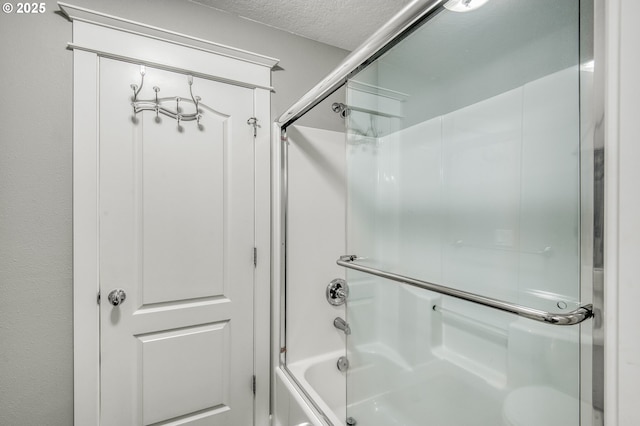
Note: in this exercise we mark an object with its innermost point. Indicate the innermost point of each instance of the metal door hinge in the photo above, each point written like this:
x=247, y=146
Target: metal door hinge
x=255, y=257
x=253, y=121
x=253, y=385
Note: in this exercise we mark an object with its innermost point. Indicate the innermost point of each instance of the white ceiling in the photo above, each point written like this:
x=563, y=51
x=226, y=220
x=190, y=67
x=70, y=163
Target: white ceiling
x=342, y=23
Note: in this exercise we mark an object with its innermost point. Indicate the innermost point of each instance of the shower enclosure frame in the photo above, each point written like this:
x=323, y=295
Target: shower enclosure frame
x=591, y=190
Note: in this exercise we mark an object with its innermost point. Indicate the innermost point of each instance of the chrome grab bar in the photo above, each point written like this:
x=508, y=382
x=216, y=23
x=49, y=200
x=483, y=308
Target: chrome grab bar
x=570, y=318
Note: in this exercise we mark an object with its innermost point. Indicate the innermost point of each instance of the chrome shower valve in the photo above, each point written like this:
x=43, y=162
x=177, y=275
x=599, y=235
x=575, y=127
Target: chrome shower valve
x=337, y=292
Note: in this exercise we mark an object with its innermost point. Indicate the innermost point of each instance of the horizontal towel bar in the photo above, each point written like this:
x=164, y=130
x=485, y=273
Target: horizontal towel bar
x=570, y=318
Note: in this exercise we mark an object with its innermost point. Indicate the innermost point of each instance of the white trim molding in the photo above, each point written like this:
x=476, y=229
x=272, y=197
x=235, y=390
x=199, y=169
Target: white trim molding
x=110, y=36
x=86, y=320
x=96, y=36
x=262, y=280
x=622, y=213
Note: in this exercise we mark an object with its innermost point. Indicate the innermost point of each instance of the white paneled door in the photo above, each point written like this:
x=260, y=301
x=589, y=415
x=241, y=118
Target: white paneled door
x=176, y=235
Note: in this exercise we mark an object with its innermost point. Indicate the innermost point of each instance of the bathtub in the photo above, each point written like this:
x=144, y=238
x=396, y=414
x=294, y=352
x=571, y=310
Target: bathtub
x=385, y=391
x=317, y=388
x=384, y=388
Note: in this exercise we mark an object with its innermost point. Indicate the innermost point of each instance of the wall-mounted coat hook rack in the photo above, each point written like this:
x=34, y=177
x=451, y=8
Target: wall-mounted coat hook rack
x=156, y=105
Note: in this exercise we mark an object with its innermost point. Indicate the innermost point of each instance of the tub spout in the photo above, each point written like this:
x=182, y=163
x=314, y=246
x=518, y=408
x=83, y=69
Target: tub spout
x=341, y=324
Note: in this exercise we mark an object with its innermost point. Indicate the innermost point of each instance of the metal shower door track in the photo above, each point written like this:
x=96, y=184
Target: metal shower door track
x=382, y=40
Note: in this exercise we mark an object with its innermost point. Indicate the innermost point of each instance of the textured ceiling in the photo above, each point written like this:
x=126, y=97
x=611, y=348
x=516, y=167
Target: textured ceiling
x=345, y=23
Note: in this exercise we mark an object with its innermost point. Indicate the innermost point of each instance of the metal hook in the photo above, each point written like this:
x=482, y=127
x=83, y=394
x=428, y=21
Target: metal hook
x=196, y=99
x=136, y=89
x=157, y=89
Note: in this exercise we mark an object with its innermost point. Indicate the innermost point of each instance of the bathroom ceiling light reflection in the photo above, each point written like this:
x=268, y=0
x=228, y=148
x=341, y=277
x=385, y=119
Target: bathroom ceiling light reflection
x=464, y=5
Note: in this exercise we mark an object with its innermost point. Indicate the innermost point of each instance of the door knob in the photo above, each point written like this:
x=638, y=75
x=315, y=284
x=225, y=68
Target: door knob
x=117, y=297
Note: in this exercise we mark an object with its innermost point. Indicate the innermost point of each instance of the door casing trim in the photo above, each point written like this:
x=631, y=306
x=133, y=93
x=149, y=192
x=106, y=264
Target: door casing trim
x=190, y=57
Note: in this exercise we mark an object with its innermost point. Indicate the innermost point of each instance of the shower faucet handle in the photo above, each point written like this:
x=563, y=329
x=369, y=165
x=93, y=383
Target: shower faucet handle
x=337, y=292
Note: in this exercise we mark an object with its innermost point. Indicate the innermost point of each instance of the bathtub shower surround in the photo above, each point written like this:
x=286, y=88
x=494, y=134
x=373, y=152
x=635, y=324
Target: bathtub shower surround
x=466, y=161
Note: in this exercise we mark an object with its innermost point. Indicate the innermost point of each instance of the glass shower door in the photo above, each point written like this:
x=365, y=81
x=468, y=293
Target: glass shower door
x=464, y=172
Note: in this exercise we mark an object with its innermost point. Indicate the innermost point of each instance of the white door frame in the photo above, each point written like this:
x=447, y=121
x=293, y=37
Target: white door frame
x=98, y=35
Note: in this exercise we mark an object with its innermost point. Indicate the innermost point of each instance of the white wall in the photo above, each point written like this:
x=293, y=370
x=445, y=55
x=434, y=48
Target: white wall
x=35, y=180
x=622, y=237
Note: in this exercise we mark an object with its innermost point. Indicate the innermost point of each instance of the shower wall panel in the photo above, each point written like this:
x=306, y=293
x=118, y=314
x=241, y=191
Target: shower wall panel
x=492, y=186
x=315, y=239
x=483, y=199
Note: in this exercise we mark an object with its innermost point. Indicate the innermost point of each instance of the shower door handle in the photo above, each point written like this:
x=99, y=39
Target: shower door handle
x=570, y=318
